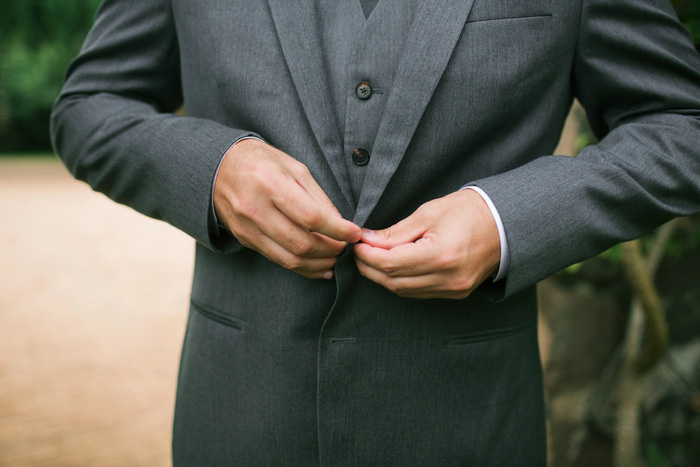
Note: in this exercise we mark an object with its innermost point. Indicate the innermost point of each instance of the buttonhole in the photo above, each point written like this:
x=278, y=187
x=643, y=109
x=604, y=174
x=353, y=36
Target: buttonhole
x=342, y=340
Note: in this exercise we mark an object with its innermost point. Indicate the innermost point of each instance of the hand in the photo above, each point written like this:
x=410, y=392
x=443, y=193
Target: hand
x=443, y=250
x=271, y=204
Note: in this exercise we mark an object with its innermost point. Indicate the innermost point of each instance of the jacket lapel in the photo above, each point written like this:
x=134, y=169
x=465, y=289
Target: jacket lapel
x=297, y=29
x=435, y=31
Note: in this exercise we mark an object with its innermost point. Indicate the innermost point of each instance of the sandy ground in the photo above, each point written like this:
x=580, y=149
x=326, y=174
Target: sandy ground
x=93, y=303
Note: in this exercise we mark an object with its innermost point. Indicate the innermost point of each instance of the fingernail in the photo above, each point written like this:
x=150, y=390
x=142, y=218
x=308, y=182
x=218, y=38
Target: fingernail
x=367, y=233
x=328, y=275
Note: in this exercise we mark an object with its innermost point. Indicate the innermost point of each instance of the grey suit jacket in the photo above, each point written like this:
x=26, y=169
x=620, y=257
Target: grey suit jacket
x=280, y=370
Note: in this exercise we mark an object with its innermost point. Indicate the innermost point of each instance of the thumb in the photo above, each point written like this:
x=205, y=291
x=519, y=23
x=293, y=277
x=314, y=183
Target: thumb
x=406, y=231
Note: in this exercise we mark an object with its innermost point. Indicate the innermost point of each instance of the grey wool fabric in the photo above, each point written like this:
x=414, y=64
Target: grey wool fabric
x=277, y=369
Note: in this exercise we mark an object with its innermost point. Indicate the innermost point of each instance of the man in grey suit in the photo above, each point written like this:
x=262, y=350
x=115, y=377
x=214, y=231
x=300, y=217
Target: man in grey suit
x=307, y=120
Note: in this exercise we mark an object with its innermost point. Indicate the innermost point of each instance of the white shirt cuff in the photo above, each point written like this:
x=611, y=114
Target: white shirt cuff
x=505, y=255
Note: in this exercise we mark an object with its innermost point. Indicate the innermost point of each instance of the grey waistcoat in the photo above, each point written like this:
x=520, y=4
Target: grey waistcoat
x=355, y=50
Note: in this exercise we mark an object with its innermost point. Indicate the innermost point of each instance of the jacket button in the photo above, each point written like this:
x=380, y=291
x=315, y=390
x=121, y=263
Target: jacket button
x=363, y=90
x=360, y=156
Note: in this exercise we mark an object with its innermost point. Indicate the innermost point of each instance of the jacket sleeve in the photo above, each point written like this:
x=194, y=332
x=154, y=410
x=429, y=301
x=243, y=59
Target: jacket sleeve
x=638, y=76
x=114, y=128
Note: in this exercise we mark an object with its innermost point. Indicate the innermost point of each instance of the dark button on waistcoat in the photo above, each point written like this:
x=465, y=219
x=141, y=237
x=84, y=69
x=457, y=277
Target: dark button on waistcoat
x=363, y=90
x=362, y=56
x=360, y=156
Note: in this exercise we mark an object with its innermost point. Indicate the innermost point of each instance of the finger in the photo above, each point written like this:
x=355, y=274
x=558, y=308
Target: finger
x=431, y=285
x=251, y=226
x=405, y=286
x=301, y=208
x=408, y=259
x=407, y=230
x=306, y=180
x=295, y=239
x=313, y=268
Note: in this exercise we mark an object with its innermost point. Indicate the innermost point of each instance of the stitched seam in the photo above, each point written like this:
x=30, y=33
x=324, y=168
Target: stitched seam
x=343, y=340
x=218, y=316
x=488, y=335
x=547, y=15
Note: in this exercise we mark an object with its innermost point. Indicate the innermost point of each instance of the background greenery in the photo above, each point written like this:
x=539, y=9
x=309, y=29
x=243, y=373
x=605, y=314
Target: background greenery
x=689, y=13
x=38, y=38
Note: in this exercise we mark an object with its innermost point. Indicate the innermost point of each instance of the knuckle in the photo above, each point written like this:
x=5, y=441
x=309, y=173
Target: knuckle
x=302, y=248
x=445, y=261
x=261, y=177
x=388, y=267
x=449, y=259
x=462, y=285
x=236, y=210
x=300, y=169
x=244, y=208
x=266, y=180
x=293, y=263
x=311, y=219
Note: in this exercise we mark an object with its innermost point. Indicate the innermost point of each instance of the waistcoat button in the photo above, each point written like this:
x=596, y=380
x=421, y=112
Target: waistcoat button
x=363, y=90
x=360, y=156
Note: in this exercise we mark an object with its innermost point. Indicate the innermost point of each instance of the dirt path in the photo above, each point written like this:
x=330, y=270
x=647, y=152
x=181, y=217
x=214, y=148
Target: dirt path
x=93, y=301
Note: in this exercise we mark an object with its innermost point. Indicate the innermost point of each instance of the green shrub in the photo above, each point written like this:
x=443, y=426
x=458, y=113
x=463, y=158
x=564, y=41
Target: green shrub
x=38, y=38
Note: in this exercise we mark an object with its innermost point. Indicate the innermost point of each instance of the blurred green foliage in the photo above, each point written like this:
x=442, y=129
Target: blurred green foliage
x=38, y=38
x=689, y=14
